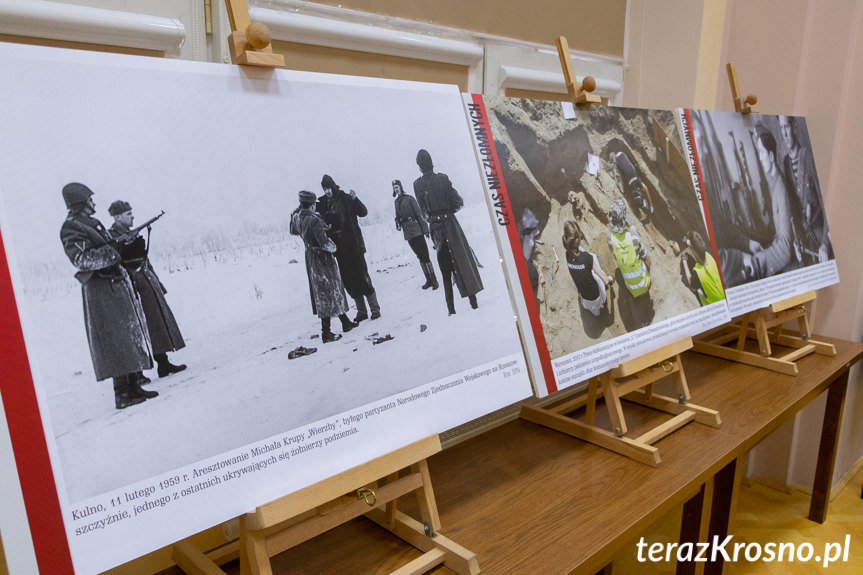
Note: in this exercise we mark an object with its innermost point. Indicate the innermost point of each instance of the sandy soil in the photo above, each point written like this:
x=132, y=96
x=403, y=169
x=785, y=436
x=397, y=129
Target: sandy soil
x=545, y=156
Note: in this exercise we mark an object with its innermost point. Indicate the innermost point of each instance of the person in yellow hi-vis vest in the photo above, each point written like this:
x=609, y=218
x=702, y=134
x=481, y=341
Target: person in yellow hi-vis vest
x=629, y=252
x=699, y=272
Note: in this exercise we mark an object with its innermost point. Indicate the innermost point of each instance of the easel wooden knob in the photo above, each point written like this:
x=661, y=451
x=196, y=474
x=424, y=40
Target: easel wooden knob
x=250, y=42
x=580, y=92
x=744, y=106
x=632, y=381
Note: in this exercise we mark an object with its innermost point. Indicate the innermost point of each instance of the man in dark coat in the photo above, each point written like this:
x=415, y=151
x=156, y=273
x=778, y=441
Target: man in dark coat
x=409, y=220
x=325, y=282
x=439, y=202
x=340, y=211
x=113, y=318
x=165, y=334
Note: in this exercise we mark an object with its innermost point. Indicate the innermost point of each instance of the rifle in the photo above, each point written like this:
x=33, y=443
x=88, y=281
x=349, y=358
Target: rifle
x=133, y=233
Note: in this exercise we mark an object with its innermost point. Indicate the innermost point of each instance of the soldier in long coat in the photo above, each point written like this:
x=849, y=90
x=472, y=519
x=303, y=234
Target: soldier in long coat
x=341, y=211
x=439, y=202
x=114, y=321
x=325, y=282
x=165, y=334
x=409, y=220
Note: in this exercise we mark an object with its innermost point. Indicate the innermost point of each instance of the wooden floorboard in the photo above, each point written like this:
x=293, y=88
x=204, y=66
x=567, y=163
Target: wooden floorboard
x=765, y=515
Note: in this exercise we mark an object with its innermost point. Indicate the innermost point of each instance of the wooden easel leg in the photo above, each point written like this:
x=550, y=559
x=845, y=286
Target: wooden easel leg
x=254, y=558
x=723, y=508
x=744, y=330
x=612, y=402
x=425, y=497
x=827, y=449
x=763, y=337
x=680, y=379
x=590, y=407
x=392, y=506
x=192, y=561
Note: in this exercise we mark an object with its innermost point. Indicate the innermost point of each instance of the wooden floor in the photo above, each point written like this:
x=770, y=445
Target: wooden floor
x=768, y=515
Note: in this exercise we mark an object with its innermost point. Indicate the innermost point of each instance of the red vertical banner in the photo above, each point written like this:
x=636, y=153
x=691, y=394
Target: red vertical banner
x=505, y=218
x=28, y=437
x=695, y=166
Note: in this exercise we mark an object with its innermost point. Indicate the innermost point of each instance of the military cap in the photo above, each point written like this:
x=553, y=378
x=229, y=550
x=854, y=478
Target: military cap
x=118, y=207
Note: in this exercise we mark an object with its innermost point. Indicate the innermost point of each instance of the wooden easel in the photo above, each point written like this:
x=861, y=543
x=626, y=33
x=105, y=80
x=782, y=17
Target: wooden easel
x=743, y=106
x=579, y=92
x=249, y=42
x=633, y=381
x=756, y=325
x=300, y=516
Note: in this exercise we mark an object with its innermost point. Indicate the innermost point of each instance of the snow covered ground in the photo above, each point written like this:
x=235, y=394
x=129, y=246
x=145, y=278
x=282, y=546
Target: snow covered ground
x=240, y=319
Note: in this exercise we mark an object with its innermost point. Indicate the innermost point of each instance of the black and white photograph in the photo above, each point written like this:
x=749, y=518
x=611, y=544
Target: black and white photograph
x=611, y=235
x=767, y=214
x=236, y=283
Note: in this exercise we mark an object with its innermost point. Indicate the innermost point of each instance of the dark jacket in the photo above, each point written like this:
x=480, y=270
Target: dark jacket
x=114, y=321
x=439, y=202
x=164, y=332
x=325, y=283
x=341, y=213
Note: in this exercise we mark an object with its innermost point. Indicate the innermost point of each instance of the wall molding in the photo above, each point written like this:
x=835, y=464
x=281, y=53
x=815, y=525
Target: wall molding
x=73, y=23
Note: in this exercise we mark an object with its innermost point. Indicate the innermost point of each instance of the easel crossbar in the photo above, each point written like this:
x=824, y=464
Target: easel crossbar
x=281, y=540
x=311, y=497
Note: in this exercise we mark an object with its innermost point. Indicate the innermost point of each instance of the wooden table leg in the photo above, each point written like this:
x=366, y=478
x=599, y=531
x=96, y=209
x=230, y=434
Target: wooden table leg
x=605, y=570
x=723, y=507
x=827, y=449
x=693, y=527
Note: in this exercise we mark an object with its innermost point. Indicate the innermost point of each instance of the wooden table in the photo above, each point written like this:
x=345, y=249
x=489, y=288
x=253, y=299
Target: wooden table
x=527, y=499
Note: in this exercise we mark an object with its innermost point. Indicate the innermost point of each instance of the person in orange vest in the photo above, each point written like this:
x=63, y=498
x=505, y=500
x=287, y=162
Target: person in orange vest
x=629, y=252
x=698, y=270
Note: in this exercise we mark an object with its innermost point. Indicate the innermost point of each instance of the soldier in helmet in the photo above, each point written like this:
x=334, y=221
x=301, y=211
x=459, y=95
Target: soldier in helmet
x=629, y=252
x=113, y=318
x=165, y=334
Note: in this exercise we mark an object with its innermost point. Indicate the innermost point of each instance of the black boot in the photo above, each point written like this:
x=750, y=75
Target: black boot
x=138, y=391
x=450, y=303
x=140, y=378
x=166, y=368
x=362, y=312
x=123, y=397
x=431, y=280
x=374, y=306
x=327, y=334
x=347, y=324
x=472, y=300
